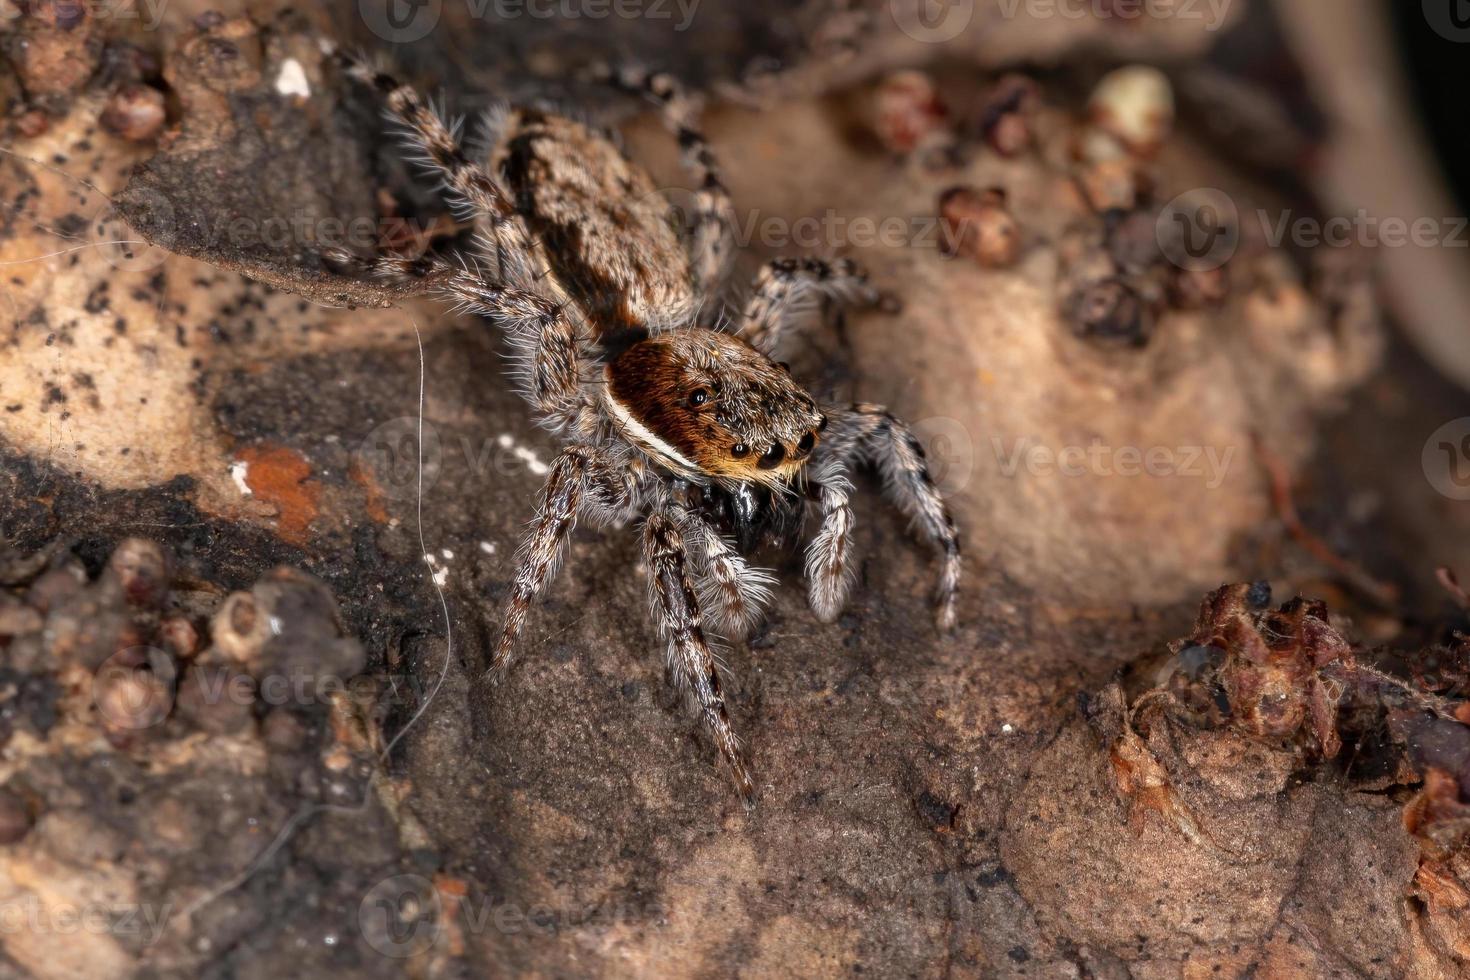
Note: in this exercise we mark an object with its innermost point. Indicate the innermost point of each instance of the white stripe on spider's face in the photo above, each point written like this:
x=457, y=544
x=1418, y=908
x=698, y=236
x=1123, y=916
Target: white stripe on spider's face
x=640, y=435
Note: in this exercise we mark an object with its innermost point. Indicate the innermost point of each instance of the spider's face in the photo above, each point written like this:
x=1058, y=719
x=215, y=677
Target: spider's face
x=707, y=403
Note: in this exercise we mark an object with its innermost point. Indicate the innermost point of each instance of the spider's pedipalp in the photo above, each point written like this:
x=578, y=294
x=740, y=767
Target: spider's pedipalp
x=691, y=661
x=787, y=293
x=870, y=433
x=732, y=592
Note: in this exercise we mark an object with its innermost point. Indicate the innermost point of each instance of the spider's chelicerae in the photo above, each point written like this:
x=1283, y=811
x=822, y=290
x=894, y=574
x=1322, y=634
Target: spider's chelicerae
x=696, y=430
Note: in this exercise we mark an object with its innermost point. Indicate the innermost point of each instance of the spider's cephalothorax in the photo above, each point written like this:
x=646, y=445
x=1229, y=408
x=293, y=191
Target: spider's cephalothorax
x=693, y=429
x=707, y=405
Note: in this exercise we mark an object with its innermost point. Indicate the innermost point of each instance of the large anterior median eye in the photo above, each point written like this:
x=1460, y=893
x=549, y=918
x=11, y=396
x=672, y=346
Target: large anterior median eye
x=773, y=457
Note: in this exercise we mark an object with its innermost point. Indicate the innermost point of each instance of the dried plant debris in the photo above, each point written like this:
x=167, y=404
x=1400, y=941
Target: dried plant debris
x=1271, y=743
x=156, y=737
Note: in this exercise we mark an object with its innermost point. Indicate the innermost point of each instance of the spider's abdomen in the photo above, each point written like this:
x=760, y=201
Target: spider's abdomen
x=606, y=229
x=706, y=404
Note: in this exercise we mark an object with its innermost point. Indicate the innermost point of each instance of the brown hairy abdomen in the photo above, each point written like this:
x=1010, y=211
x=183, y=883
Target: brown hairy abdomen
x=602, y=222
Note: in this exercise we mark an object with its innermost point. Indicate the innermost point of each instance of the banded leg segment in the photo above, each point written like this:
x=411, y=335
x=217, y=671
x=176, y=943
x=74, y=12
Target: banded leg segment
x=712, y=237
x=581, y=479
x=828, y=557
x=550, y=349
x=691, y=661
x=788, y=293
x=475, y=193
x=870, y=433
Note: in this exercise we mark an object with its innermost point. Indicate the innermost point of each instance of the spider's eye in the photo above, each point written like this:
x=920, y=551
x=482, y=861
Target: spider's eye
x=806, y=442
x=822, y=424
x=698, y=397
x=740, y=450
x=773, y=456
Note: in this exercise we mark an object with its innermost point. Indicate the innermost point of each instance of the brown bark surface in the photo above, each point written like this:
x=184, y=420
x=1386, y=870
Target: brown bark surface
x=217, y=614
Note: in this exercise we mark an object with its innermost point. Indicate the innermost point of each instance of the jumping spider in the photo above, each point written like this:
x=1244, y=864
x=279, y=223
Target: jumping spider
x=580, y=261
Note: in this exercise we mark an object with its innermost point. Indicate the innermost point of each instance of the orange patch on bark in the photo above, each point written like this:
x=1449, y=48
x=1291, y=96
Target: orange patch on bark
x=363, y=477
x=281, y=477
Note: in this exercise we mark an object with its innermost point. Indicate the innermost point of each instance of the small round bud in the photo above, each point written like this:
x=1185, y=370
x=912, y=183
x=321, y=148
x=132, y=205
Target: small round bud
x=908, y=113
x=134, y=113
x=1135, y=106
x=1005, y=120
x=979, y=225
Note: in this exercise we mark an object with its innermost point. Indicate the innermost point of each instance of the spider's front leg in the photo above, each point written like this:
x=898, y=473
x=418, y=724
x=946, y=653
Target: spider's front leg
x=583, y=480
x=691, y=661
x=788, y=293
x=871, y=434
x=828, y=557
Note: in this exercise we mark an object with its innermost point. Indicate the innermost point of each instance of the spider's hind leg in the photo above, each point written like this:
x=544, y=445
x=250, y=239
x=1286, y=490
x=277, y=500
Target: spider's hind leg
x=474, y=191
x=550, y=348
x=712, y=235
x=789, y=293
